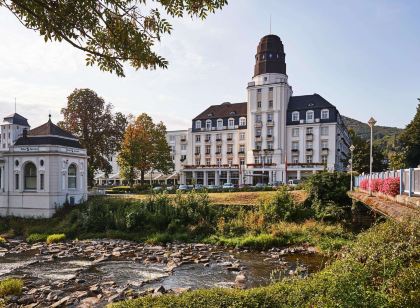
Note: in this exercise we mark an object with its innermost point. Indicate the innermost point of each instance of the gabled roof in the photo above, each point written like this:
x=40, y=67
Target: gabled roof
x=50, y=129
x=17, y=119
x=303, y=102
x=224, y=110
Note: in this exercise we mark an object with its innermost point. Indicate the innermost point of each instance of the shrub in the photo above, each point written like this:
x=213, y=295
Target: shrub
x=11, y=286
x=391, y=186
x=2, y=240
x=36, y=237
x=55, y=238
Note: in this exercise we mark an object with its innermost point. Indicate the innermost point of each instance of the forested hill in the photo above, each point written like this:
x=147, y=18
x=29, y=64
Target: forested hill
x=363, y=130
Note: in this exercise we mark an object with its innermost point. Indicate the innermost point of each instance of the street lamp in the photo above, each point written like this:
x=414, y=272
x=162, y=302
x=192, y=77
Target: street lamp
x=352, y=147
x=371, y=123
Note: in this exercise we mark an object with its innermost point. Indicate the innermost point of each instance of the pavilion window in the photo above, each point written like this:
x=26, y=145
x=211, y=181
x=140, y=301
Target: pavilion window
x=71, y=177
x=30, y=177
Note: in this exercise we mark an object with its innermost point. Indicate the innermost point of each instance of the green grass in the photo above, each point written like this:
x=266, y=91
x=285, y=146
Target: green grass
x=380, y=269
x=10, y=286
x=55, y=238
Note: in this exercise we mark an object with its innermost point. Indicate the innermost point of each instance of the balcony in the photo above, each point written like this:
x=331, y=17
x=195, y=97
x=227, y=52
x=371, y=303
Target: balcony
x=295, y=150
x=268, y=150
x=258, y=124
x=229, y=139
x=208, y=153
x=183, y=139
x=325, y=150
x=207, y=140
x=229, y=152
x=218, y=139
x=269, y=137
x=197, y=153
x=309, y=136
x=218, y=153
x=258, y=138
x=256, y=150
x=241, y=153
x=270, y=123
x=309, y=149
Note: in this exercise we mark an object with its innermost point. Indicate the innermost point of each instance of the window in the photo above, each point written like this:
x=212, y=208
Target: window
x=219, y=124
x=71, y=176
x=295, y=132
x=309, y=130
x=198, y=124
x=258, y=104
x=231, y=123
x=219, y=161
x=270, y=89
x=295, y=145
x=324, y=131
x=16, y=181
x=258, y=132
x=230, y=148
x=270, y=104
x=208, y=137
x=325, y=114
x=183, y=147
x=309, y=159
x=309, y=116
x=258, y=145
x=295, y=159
x=218, y=149
x=269, y=132
x=258, y=118
x=218, y=137
x=30, y=176
x=242, y=161
x=230, y=162
x=171, y=138
x=269, y=160
x=241, y=136
x=208, y=149
x=172, y=148
x=197, y=149
x=242, y=121
x=208, y=161
x=183, y=157
x=197, y=138
x=197, y=162
x=324, y=144
x=208, y=124
x=269, y=145
x=324, y=159
x=258, y=90
x=295, y=116
x=242, y=148
x=257, y=160
x=309, y=145
x=229, y=136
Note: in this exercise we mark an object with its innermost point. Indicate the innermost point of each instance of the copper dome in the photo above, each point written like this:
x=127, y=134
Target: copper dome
x=270, y=57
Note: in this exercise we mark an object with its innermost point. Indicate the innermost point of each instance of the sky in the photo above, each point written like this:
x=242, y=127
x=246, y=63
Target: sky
x=362, y=56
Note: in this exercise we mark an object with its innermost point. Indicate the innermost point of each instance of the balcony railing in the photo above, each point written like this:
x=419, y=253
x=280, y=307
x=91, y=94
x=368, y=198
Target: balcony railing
x=309, y=149
x=207, y=140
x=197, y=153
x=270, y=122
x=295, y=150
x=219, y=139
x=258, y=124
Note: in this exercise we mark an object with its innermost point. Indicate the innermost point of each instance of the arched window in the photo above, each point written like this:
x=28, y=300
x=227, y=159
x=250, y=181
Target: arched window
x=231, y=123
x=72, y=176
x=295, y=116
x=29, y=176
x=242, y=121
x=309, y=116
x=198, y=124
x=219, y=124
x=208, y=124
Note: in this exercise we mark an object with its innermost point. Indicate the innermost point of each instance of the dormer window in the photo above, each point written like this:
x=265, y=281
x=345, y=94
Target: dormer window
x=232, y=112
x=219, y=124
x=242, y=121
x=295, y=116
x=208, y=124
x=231, y=123
x=309, y=116
x=325, y=114
x=198, y=124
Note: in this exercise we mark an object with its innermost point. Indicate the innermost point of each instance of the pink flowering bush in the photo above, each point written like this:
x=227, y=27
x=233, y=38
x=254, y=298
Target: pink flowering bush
x=389, y=186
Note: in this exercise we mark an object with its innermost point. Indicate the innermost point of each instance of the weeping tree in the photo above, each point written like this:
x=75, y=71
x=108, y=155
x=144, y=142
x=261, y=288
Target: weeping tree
x=110, y=32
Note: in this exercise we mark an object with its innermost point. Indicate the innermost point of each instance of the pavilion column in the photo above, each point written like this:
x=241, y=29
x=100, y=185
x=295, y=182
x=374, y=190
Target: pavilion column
x=206, y=178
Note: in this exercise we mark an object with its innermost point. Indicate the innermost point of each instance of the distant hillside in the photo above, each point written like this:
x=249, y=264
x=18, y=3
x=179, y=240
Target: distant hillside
x=363, y=130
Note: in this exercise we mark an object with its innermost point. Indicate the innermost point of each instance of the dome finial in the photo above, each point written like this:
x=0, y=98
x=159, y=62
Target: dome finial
x=49, y=116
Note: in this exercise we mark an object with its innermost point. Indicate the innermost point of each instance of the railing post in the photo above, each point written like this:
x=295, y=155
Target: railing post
x=410, y=182
x=401, y=181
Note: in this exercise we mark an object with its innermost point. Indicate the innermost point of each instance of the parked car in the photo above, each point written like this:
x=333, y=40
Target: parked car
x=183, y=187
x=228, y=186
x=170, y=188
x=212, y=187
x=157, y=188
x=198, y=186
x=294, y=182
x=260, y=185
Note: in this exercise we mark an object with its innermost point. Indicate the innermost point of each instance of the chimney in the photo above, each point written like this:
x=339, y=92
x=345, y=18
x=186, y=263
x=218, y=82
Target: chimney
x=25, y=133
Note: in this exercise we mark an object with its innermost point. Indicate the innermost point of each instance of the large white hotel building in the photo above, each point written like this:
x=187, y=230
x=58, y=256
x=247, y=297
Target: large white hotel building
x=271, y=138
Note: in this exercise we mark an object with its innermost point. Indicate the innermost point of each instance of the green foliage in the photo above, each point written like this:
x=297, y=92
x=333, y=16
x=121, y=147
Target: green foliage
x=2, y=240
x=56, y=238
x=328, y=186
x=10, y=286
x=110, y=33
x=36, y=237
x=379, y=270
x=410, y=138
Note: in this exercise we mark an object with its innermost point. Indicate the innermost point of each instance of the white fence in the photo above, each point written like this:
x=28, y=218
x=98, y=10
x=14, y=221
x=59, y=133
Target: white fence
x=409, y=179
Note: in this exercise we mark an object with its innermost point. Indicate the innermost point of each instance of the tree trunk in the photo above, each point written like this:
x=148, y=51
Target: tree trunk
x=142, y=177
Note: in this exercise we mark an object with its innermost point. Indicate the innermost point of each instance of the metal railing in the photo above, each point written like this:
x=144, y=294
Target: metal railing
x=409, y=179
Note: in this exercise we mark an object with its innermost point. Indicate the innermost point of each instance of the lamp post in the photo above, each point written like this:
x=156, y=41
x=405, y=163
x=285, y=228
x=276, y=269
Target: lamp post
x=351, y=166
x=371, y=123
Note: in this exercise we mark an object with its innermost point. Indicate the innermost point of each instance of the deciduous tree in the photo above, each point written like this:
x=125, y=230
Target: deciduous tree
x=410, y=138
x=100, y=132
x=144, y=149
x=109, y=32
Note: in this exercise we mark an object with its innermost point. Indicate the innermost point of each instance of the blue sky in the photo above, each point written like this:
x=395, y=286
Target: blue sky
x=362, y=56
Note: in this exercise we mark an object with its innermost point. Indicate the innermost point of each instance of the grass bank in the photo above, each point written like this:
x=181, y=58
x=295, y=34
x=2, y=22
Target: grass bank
x=380, y=269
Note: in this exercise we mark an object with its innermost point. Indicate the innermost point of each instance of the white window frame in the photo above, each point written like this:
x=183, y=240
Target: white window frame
x=208, y=124
x=310, y=116
x=295, y=116
x=198, y=124
x=325, y=114
x=231, y=123
x=295, y=132
x=242, y=121
x=219, y=123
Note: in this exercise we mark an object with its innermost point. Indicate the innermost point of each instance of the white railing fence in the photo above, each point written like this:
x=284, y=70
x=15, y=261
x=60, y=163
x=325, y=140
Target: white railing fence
x=409, y=179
